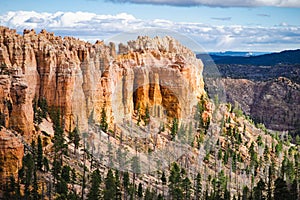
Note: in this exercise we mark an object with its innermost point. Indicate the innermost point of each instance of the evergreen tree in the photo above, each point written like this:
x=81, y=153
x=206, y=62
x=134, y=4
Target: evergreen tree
x=160, y=197
x=147, y=116
x=39, y=161
x=135, y=167
x=73, y=176
x=126, y=183
x=270, y=177
x=118, y=187
x=35, y=194
x=199, y=112
x=140, y=191
x=259, y=141
x=62, y=189
x=65, y=173
x=148, y=195
x=42, y=103
x=259, y=190
x=73, y=196
x=227, y=195
x=26, y=174
x=198, y=187
x=46, y=164
x=175, y=181
x=103, y=121
x=281, y=190
x=174, y=128
x=110, y=186
x=94, y=192
x=74, y=137
x=138, y=114
x=58, y=143
x=163, y=181
x=186, y=186
x=294, y=190
x=245, y=195
x=37, y=113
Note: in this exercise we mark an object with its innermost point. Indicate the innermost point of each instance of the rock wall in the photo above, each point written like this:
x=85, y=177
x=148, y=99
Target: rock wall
x=81, y=78
x=11, y=154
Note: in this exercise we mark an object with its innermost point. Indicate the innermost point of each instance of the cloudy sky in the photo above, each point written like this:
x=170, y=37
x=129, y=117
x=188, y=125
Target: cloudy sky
x=217, y=25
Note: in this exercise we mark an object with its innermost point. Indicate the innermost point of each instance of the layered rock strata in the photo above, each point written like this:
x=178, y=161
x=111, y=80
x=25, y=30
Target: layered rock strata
x=81, y=79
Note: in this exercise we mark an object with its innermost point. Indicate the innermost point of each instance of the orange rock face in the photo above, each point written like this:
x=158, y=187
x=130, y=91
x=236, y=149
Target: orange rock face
x=11, y=154
x=81, y=78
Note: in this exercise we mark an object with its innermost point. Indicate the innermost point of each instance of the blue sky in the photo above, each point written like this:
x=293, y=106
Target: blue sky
x=250, y=25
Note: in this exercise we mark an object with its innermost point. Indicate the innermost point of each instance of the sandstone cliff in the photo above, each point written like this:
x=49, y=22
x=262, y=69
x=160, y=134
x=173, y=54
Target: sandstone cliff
x=80, y=79
x=11, y=154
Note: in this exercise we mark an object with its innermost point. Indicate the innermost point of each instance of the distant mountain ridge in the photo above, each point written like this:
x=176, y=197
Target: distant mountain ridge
x=239, y=53
x=256, y=68
x=284, y=57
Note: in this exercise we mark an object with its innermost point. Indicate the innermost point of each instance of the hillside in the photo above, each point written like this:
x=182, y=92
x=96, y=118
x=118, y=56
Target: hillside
x=83, y=121
x=268, y=83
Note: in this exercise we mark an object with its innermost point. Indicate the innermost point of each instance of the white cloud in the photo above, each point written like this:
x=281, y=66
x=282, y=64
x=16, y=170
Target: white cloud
x=217, y=3
x=91, y=26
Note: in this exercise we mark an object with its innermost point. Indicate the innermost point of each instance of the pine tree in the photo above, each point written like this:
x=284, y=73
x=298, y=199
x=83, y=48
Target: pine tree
x=118, y=186
x=138, y=114
x=135, y=167
x=95, y=192
x=160, y=197
x=140, y=190
x=35, y=194
x=259, y=190
x=26, y=174
x=198, y=187
x=293, y=190
x=269, y=194
x=163, y=181
x=46, y=164
x=103, y=121
x=281, y=190
x=199, y=112
x=174, y=128
x=62, y=188
x=245, y=195
x=74, y=137
x=65, y=173
x=73, y=176
x=42, y=103
x=110, y=186
x=58, y=143
x=126, y=183
x=148, y=195
x=186, y=186
x=147, y=116
x=175, y=181
x=39, y=153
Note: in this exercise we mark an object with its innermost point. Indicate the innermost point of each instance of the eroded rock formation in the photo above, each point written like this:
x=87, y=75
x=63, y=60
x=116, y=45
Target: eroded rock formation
x=81, y=79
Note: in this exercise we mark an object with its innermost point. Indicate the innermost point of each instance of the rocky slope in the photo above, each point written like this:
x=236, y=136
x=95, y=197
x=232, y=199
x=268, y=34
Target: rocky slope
x=274, y=103
x=268, y=84
x=81, y=79
x=156, y=79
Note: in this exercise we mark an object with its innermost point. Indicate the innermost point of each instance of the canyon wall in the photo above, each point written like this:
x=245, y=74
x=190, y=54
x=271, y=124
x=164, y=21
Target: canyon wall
x=81, y=79
x=274, y=103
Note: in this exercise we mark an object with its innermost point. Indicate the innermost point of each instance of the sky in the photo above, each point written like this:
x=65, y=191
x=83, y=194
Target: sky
x=216, y=25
